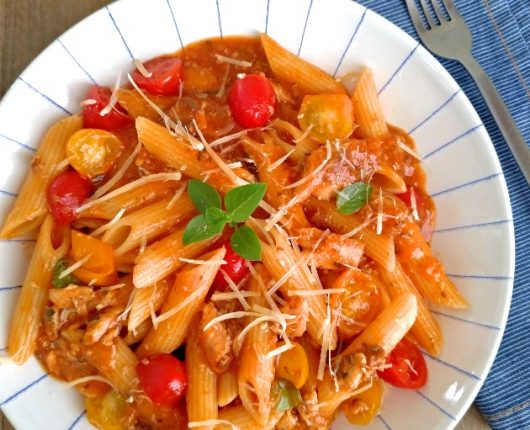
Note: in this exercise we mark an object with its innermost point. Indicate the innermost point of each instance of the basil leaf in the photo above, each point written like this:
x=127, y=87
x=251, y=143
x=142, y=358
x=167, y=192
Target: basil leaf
x=285, y=395
x=245, y=243
x=353, y=197
x=200, y=229
x=57, y=282
x=203, y=195
x=216, y=215
x=240, y=202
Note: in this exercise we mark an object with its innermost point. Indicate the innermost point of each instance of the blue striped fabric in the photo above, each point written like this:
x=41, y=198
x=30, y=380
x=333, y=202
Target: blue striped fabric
x=501, y=36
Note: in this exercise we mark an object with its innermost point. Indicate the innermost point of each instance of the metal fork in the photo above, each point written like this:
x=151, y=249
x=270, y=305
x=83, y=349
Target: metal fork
x=451, y=39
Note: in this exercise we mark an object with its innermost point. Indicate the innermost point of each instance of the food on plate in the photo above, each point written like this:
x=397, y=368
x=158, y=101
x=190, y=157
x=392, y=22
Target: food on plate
x=232, y=239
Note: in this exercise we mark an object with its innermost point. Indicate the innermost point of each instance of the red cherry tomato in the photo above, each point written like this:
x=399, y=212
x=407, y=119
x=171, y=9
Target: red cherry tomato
x=166, y=76
x=117, y=118
x=252, y=100
x=409, y=369
x=236, y=268
x=65, y=194
x=163, y=378
x=406, y=197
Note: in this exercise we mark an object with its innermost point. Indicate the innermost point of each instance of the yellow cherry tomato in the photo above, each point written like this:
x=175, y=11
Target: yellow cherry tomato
x=93, y=152
x=293, y=365
x=107, y=412
x=330, y=116
x=362, y=408
x=99, y=266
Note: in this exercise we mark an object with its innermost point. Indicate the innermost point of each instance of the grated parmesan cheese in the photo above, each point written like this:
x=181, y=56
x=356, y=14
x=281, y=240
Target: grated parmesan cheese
x=113, y=221
x=228, y=138
x=88, y=102
x=229, y=316
x=280, y=161
x=212, y=423
x=221, y=91
x=414, y=205
x=141, y=68
x=177, y=195
x=408, y=150
x=304, y=134
x=315, y=171
x=88, y=378
x=179, y=307
x=323, y=292
x=113, y=98
x=202, y=262
x=235, y=62
x=74, y=266
x=216, y=297
x=379, y=228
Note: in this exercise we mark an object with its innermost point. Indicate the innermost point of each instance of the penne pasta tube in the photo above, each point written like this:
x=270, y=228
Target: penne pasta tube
x=163, y=258
x=120, y=369
x=367, y=110
x=139, y=333
x=390, y=326
x=227, y=387
x=183, y=302
x=239, y=417
x=147, y=224
x=201, y=397
x=135, y=199
x=256, y=370
x=425, y=329
x=30, y=207
x=292, y=69
x=378, y=247
x=33, y=297
x=147, y=301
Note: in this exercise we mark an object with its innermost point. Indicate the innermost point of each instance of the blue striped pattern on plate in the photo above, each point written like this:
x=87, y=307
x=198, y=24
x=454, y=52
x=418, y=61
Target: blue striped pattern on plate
x=465, y=178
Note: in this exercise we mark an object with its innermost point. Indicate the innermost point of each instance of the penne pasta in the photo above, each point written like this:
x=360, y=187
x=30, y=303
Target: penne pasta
x=293, y=70
x=183, y=302
x=256, y=371
x=239, y=417
x=33, y=297
x=163, y=258
x=30, y=207
x=201, y=397
x=146, y=302
x=426, y=329
x=366, y=107
x=227, y=387
x=147, y=224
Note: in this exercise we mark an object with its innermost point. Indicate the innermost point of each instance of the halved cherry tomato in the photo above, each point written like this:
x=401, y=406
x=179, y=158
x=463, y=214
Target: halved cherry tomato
x=408, y=369
x=252, y=101
x=166, y=76
x=330, y=116
x=93, y=152
x=359, y=304
x=117, y=118
x=406, y=197
x=100, y=265
x=293, y=365
x=236, y=268
x=362, y=408
x=65, y=194
x=163, y=378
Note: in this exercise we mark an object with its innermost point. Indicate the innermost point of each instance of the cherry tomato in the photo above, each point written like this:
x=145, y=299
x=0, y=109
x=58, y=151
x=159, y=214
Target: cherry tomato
x=406, y=197
x=100, y=265
x=236, y=268
x=362, y=408
x=408, y=369
x=166, y=76
x=107, y=412
x=163, y=378
x=65, y=194
x=293, y=365
x=330, y=116
x=359, y=304
x=424, y=208
x=117, y=118
x=252, y=101
x=93, y=152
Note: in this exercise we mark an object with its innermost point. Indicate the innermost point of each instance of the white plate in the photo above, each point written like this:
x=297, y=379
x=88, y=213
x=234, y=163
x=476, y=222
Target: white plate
x=474, y=235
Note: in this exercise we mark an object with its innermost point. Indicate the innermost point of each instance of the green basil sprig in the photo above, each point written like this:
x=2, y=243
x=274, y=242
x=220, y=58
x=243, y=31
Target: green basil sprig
x=285, y=395
x=63, y=282
x=353, y=197
x=239, y=202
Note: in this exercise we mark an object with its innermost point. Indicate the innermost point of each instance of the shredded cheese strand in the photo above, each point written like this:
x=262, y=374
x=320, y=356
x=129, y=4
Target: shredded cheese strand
x=119, y=174
x=241, y=63
x=379, y=228
x=88, y=378
x=177, y=195
x=280, y=161
x=228, y=138
x=202, y=262
x=113, y=98
x=315, y=171
x=74, y=266
x=179, y=307
x=323, y=292
x=113, y=221
x=217, y=297
x=408, y=150
x=229, y=316
x=141, y=68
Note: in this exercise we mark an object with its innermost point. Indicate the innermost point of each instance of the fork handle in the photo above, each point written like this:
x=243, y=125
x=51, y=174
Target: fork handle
x=512, y=135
